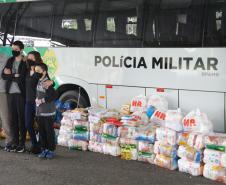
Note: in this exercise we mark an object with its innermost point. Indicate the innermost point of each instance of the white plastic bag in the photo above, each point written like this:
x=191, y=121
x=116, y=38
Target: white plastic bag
x=158, y=101
x=215, y=173
x=173, y=120
x=166, y=135
x=190, y=167
x=159, y=118
x=197, y=121
x=138, y=103
x=215, y=157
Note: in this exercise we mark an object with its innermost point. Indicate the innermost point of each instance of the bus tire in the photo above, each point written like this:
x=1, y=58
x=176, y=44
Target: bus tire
x=72, y=97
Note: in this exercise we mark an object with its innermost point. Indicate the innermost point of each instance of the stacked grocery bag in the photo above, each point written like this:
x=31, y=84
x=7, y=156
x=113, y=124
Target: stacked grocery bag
x=96, y=121
x=215, y=157
x=195, y=125
x=80, y=137
x=110, y=138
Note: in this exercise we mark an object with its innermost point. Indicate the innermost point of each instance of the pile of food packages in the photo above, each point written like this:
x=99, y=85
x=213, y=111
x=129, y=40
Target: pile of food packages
x=146, y=130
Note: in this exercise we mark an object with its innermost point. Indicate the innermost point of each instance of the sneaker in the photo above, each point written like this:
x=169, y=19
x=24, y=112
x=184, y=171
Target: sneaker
x=8, y=148
x=50, y=154
x=20, y=149
x=43, y=154
x=12, y=149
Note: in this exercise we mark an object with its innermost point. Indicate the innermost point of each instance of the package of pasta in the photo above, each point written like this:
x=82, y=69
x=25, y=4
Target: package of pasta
x=183, y=138
x=126, y=132
x=190, y=153
x=191, y=167
x=166, y=135
x=128, y=152
x=146, y=133
x=145, y=147
x=166, y=162
x=165, y=149
x=146, y=157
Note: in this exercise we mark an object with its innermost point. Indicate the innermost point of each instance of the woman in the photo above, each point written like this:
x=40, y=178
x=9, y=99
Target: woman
x=32, y=78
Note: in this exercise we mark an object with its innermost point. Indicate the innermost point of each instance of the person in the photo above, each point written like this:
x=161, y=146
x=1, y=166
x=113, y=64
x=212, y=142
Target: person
x=45, y=112
x=14, y=73
x=33, y=58
x=4, y=112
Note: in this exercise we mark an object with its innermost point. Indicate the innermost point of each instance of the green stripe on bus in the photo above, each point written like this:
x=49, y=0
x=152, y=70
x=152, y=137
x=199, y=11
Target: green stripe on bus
x=7, y=1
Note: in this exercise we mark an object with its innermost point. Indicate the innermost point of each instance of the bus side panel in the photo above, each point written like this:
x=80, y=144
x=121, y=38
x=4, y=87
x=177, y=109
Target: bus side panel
x=119, y=95
x=171, y=95
x=101, y=96
x=93, y=95
x=212, y=103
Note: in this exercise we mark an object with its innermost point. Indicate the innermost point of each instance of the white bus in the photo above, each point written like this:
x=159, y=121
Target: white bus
x=109, y=51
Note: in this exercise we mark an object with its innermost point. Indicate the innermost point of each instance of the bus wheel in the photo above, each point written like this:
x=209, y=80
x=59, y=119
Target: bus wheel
x=73, y=98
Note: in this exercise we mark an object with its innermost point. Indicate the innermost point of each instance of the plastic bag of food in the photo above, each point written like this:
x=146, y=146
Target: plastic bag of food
x=193, y=168
x=145, y=147
x=140, y=116
x=215, y=173
x=94, y=137
x=216, y=141
x=150, y=111
x=166, y=162
x=125, y=109
x=197, y=121
x=96, y=127
x=196, y=140
x=146, y=133
x=78, y=145
x=110, y=139
x=128, y=152
x=190, y=153
x=214, y=157
x=128, y=141
x=183, y=138
x=158, y=101
x=62, y=140
x=173, y=120
x=95, y=147
x=109, y=149
x=166, y=135
x=146, y=157
x=165, y=149
x=159, y=118
x=138, y=103
x=81, y=133
x=66, y=121
x=126, y=132
x=110, y=129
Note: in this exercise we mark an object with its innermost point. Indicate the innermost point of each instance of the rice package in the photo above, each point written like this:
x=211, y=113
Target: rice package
x=166, y=162
x=214, y=157
x=109, y=149
x=166, y=135
x=78, y=145
x=146, y=133
x=196, y=140
x=128, y=152
x=216, y=173
x=95, y=147
x=216, y=141
x=191, y=167
x=165, y=149
x=190, y=153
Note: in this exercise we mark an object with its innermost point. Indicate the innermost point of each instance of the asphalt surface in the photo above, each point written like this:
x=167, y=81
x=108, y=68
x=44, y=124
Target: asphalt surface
x=86, y=168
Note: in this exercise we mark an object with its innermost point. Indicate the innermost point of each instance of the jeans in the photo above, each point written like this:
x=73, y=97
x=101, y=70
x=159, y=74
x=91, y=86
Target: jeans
x=29, y=121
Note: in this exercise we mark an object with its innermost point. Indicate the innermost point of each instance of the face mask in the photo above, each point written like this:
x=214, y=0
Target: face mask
x=15, y=53
x=31, y=62
x=39, y=75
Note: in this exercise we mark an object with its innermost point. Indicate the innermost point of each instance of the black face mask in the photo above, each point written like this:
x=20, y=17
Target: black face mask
x=15, y=53
x=31, y=62
x=39, y=75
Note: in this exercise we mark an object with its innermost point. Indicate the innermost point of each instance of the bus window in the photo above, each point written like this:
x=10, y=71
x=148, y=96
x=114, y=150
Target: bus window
x=215, y=34
x=34, y=24
x=174, y=23
x=73, y=24
x=119, y=24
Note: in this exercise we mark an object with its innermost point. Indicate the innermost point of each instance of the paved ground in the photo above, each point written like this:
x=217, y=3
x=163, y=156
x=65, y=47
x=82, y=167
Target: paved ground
x=86, y=168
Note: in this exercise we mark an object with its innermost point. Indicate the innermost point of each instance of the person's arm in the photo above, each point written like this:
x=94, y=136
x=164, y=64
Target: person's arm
x=6, y=72
x=48, y=83
x=22, y=75
x=51, y=94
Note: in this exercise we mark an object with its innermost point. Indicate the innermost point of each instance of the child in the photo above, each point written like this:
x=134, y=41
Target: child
x=45, y=112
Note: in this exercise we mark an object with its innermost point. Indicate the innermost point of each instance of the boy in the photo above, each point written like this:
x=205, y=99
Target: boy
x=14, y=73
x=45, y=112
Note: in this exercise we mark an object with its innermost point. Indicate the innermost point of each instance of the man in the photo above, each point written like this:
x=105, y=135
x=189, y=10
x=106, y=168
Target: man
x=4, y=114
x=14, y=73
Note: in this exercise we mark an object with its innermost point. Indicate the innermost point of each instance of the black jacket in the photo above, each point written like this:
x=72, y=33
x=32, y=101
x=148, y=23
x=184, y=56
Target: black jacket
x=22, y=71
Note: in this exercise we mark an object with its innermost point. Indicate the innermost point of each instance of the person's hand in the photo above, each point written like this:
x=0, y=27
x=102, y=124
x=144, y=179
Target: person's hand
x=39, y=101
x=7, y=71
x=47, y=84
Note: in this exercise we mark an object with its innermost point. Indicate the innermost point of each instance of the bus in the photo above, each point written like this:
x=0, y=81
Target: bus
x=105, y=52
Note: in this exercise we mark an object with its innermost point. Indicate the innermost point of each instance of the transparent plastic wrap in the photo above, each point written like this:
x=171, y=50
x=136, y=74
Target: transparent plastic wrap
x=216, y=141
x=193, y=168
x=109, y=149
x=62, y=140
x=196, y=140
x=215, y=173
x=78, y=145
x=127, y=132
x=165, y=149
x=128, y=141
x=146, y=157
x=110, y=140
x=166, y=162
x=128, y=152
x=159, y=117
x=66, y=121
x=183, y=138
x=110, y=129
x=190, y=153
x=146, y=133
x=173, y=120
x=95, y=147
x=145, y=147
x=96, y=127
x=81, y=135
x=94, y=137
x=215, y=157
x=158, y=101
x=166, y=135
x=138, y=103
